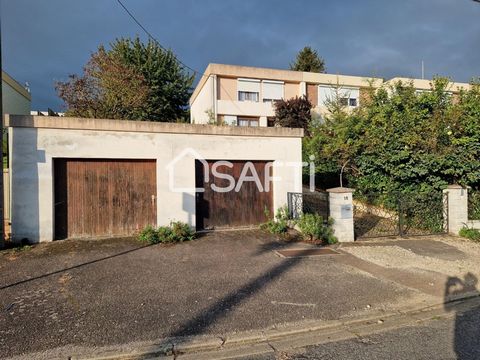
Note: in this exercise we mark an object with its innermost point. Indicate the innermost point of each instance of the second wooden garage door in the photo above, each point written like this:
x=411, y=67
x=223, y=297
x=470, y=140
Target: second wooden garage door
x=103, y=197
x=231, y=209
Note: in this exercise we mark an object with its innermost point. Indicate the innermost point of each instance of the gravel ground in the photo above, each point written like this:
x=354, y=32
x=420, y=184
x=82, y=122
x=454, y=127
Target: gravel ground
x=408, y=259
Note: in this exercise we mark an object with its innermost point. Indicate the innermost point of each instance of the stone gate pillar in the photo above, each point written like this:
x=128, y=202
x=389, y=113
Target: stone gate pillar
x=457, y=208
x=341, y=211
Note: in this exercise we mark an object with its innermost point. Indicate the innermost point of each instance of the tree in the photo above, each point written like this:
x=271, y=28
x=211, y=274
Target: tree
x=293, y=113
x=308, y=60
x=169, y=83
x=107, y=89
x=402, y=141
x=131, y=80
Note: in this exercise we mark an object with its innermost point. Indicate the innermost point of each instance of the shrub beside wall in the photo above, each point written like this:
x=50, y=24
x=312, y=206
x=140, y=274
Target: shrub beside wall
x=472, y=234
x=312, y=226
x=278, y=224
x=315, y=228
x=177, y=231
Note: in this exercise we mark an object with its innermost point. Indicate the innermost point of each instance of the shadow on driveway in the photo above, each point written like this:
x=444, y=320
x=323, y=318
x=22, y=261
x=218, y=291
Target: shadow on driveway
x=220, y=308
x=33, y=278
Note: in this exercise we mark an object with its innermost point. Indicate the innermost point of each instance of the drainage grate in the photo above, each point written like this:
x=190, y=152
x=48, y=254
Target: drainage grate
x=307, y=252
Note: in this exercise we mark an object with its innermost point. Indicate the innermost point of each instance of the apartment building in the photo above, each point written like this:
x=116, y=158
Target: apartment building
x=422, y=85
x=16, y=98
x=244, y=96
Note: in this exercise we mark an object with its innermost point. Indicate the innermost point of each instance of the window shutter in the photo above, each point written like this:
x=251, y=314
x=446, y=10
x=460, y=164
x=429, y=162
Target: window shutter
x=351, y=93
x=325, y=93
x=272, y=89
x=249, y=85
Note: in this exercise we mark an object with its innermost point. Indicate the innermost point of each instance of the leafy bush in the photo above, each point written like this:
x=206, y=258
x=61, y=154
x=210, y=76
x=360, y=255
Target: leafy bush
x=164, y=234
x=313, y=226
x=293, y=113
x=149, y=235
x=177, y=231
x=181, y=232
x=398, y=140
x=279, y=224
x=472, y=234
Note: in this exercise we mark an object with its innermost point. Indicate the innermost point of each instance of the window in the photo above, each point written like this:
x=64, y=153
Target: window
x=248, y=89
x=353, y=95
x=348, y=96
x=230, y=120
x=325, y=94
x=252, y=122
x=272, y=90
x=247, y=96
x=271, y=121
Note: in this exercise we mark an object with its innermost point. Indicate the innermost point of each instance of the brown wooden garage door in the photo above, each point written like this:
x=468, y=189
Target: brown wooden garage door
x=231, y=209
x=103, y=197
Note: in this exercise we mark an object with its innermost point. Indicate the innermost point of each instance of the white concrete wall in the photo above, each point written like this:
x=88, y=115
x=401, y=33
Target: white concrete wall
x=205, y=101
x=245, y=108
x=13, y=101
x=33, y=150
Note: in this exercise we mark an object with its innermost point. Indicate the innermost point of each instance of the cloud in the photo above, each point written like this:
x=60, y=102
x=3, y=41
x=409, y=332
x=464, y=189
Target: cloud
x=46, y=40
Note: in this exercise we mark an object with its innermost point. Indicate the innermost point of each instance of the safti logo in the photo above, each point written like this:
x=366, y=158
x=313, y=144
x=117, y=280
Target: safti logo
x=248, y=173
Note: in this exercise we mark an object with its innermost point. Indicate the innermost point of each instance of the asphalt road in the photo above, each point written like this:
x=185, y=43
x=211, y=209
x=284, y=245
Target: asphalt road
x=456, y=336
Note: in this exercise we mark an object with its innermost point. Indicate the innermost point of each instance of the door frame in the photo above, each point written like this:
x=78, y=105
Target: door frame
x=63, y=161
x=201, y=210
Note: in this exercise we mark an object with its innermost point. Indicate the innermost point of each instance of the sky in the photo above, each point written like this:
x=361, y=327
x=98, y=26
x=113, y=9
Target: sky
x=44, y=41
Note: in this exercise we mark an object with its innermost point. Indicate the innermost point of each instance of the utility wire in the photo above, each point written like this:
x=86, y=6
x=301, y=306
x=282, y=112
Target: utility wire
x=152, y=37
x=195, y=72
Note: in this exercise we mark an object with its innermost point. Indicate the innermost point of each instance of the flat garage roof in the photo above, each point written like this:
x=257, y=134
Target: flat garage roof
x=72, y=123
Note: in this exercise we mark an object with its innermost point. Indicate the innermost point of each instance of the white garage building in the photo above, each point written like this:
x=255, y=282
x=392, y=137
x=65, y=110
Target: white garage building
x=76, y=177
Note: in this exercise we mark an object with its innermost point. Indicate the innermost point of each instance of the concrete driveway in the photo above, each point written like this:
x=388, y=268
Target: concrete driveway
x=76, y=297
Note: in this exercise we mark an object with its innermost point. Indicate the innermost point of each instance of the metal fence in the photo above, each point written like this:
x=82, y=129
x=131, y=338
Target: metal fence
x=6, y=195
x=474, y=204
x=373, y=218
x=397, y=214
x=308, y=203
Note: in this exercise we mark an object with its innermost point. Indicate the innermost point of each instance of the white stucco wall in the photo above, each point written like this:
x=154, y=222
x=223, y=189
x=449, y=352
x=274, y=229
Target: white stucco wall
x=205, y=101
x=33, y=150
x=245, y=108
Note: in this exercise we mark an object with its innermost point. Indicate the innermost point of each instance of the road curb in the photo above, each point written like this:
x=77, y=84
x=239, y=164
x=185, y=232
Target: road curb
x=297, y=335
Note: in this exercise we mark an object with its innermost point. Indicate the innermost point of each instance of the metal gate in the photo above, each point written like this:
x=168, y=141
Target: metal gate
x=315, y=202
x=397, y=214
